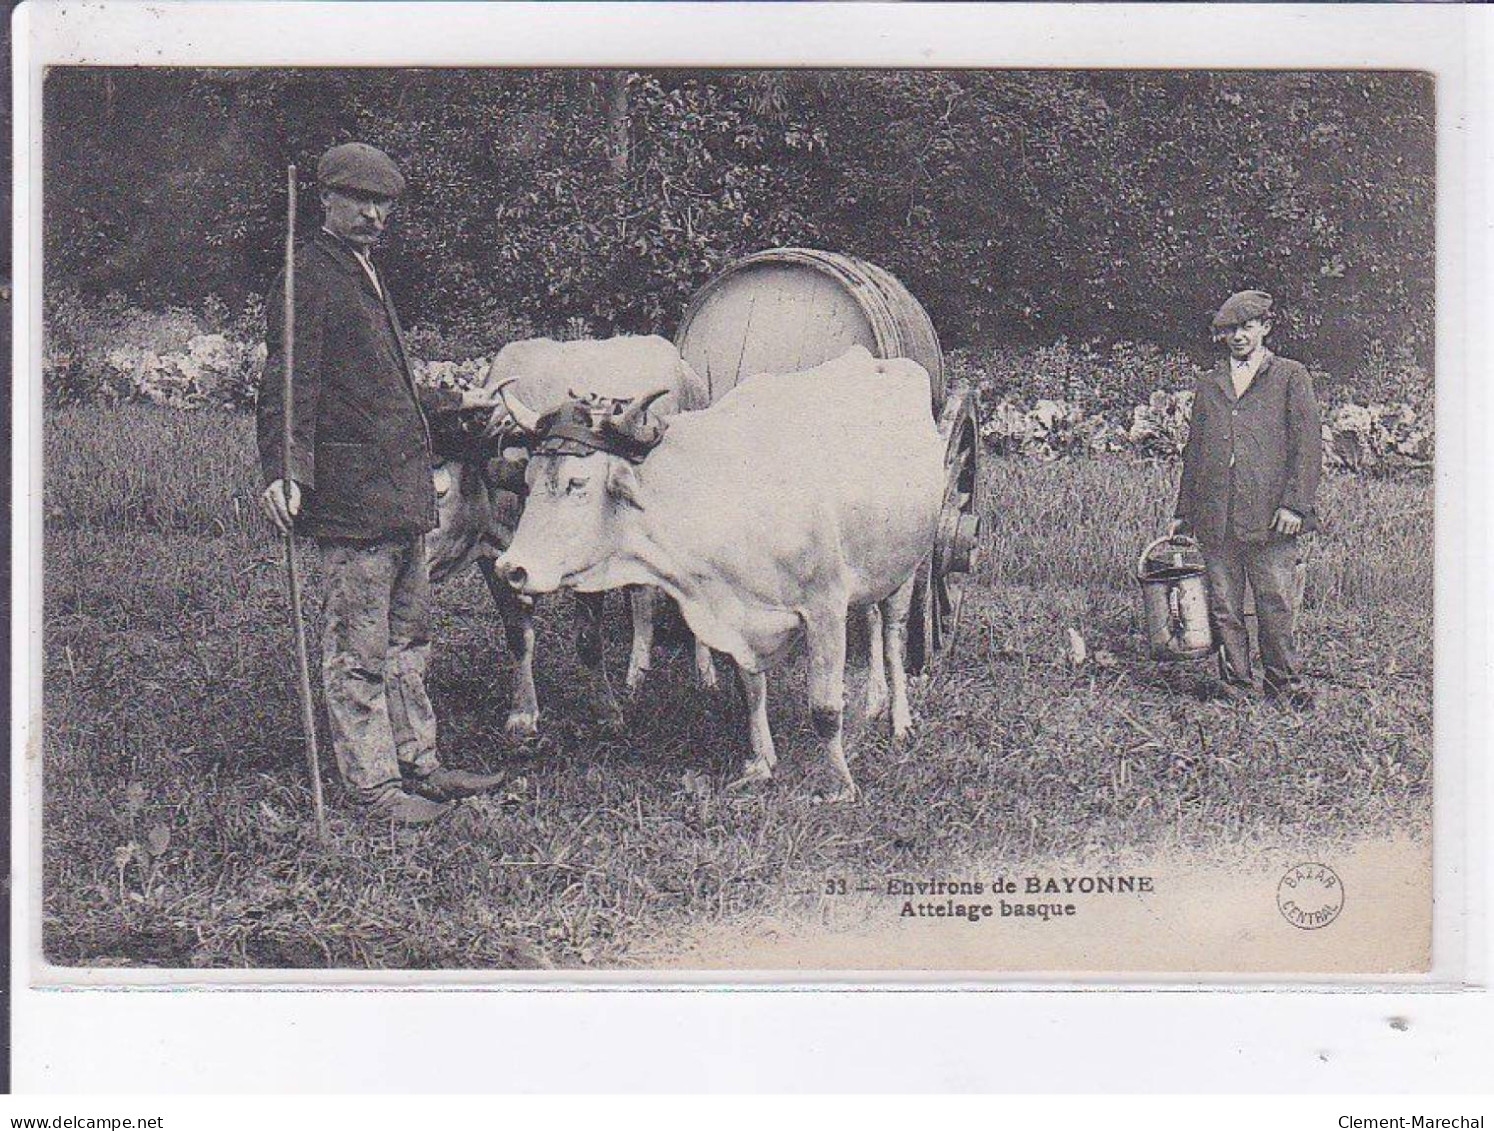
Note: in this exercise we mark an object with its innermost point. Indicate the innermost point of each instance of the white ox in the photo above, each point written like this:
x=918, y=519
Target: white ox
x=479, y=492
x=775, y=511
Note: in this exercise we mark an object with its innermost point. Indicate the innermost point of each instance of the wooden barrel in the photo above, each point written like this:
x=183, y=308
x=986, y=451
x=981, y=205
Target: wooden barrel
x=792, y=308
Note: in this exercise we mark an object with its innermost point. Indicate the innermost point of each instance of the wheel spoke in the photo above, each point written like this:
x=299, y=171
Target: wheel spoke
x=938, y=611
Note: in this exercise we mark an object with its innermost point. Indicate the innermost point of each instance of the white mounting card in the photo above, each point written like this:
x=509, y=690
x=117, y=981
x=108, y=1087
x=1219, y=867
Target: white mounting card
x=901, y=708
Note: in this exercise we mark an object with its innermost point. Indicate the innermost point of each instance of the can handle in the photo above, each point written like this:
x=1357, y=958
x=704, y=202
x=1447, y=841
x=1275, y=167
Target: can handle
x=1174, y=539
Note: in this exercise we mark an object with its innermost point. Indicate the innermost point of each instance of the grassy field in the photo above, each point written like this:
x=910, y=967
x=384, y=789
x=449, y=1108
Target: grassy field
x=176, y=804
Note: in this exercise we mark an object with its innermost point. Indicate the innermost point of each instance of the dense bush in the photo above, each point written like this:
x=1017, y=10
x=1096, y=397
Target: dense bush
x=107, y=350
x=1390, y=374
x=1021, y=207
x=1061, y=399
x=1112, y=381
x=1070, y=399
x=471, y=336
x=1375, y=438
x=1083, y=373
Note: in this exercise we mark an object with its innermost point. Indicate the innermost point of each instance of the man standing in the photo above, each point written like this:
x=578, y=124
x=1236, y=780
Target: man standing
x=1250, y=477
x=360, y=484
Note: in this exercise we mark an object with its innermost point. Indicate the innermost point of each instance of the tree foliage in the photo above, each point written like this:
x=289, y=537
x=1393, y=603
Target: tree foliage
x=1018, y=206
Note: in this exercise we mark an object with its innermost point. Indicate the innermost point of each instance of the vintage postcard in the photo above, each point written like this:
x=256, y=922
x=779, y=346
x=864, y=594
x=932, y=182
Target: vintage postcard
x=959, y=511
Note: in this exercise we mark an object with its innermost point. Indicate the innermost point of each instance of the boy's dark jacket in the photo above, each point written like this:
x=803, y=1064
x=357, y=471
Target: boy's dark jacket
x=360, y=448
x=1249, y=456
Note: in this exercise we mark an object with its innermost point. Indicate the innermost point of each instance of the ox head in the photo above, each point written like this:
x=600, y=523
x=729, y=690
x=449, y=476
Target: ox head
x=478, y=474
x=581, y=488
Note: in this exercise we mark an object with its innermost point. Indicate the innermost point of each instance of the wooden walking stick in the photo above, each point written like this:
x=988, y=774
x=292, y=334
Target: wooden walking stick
x=293, y=573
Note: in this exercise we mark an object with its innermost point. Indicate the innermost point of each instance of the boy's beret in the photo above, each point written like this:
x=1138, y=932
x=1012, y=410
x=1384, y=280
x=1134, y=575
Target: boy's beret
x=1241, y=307
x=361, y=168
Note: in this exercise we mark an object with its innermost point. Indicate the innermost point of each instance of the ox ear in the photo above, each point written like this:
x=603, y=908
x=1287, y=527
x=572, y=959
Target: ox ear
x=622, y=483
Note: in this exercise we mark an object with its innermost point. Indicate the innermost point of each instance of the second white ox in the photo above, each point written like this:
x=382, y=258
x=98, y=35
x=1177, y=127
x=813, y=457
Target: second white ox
x=479, y=489
x=774, y=512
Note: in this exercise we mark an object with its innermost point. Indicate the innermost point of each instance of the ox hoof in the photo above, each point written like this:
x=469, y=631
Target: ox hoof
x=522, y=724
x=754, y=774
x=637, y=677
x=608, y=716
x=876, y=708
x=844, y=794
x=902, y=727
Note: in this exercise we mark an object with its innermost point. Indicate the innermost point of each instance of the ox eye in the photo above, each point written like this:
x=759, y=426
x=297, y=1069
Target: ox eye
x=574, y=484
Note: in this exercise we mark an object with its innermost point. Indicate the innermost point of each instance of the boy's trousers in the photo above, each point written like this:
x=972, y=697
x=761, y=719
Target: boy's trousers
x=1270, y=568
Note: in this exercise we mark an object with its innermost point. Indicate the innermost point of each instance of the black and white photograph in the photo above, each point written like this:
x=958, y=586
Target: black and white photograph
x=579, y=522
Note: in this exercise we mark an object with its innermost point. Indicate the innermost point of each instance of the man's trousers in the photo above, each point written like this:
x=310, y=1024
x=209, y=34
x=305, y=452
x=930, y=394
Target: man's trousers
x=375, y=645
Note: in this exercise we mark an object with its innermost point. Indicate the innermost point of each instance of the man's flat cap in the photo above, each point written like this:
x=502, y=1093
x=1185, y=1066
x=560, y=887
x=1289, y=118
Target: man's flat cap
x=1241, y=307
x=361, y=168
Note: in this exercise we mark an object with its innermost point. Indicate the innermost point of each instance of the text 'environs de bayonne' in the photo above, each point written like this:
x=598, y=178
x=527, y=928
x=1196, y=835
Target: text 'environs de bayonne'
x=947, y=907
x=1024, y=885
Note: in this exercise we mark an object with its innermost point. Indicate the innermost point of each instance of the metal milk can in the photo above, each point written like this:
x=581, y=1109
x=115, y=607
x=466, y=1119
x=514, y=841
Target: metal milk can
x=1175, y=599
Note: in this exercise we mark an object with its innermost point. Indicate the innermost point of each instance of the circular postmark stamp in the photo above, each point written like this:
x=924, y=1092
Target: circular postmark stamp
x=1310, y=896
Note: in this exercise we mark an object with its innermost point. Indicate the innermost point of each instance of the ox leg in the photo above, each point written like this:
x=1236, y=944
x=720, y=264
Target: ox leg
x=641, y=597
x=895, y=636
x=705, y=666
x=518, y=630
x=589, y=607
x=827, y=693
x=876, y=672
x=760, y=766
x=589, y=610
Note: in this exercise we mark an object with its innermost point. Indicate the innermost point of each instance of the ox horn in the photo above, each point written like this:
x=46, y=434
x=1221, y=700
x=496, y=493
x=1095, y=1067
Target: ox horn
x=633, y=416
x=524, y=416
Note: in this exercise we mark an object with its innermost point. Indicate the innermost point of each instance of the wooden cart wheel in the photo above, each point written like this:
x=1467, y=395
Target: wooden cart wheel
x=939, y=591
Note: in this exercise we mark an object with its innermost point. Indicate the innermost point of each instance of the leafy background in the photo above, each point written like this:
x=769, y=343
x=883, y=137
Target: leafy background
x=1020, y=207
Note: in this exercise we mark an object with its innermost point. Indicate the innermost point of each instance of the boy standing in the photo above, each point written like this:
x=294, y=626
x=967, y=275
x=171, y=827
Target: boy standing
x=1250, y=476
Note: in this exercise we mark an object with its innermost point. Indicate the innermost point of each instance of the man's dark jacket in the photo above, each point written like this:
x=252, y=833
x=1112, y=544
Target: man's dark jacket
x=1247, y=457
x=361, y=449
